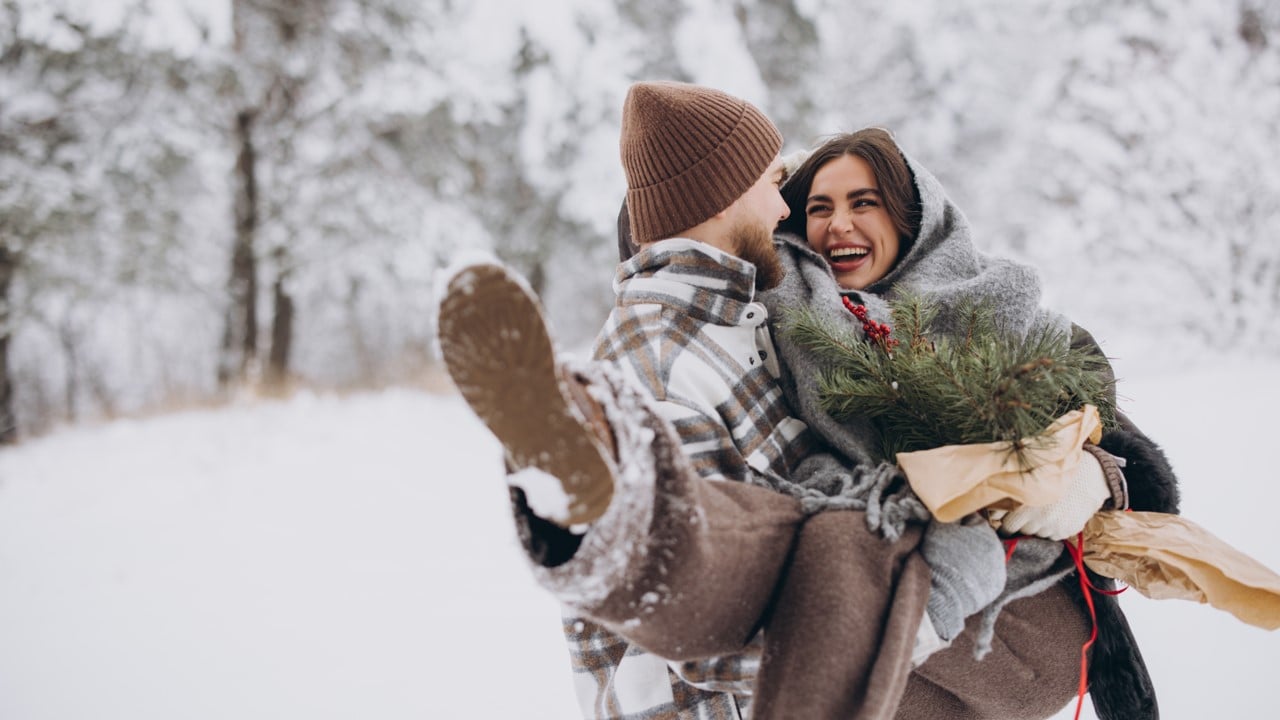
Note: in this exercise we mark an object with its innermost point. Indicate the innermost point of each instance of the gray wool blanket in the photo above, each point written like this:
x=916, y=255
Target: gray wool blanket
x=943, y=264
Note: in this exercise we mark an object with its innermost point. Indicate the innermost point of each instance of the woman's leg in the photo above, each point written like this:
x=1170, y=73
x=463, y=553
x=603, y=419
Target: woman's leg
x=680, y=565
x=840, y=640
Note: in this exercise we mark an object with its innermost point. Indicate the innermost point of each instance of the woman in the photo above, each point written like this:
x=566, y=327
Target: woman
x=868, y=223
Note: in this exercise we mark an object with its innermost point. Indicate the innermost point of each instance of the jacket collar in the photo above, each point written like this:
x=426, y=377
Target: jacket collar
x=692, y=277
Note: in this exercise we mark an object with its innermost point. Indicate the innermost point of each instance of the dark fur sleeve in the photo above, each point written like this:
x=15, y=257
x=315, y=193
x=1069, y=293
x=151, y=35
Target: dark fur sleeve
x=1152, y=484
x=1119, y=684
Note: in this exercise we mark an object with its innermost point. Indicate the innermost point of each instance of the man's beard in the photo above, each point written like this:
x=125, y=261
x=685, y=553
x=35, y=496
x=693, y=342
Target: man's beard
x=753, y=242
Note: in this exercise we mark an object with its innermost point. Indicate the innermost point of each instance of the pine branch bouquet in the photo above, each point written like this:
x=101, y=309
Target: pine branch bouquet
x=924, y=389
x=978, y=420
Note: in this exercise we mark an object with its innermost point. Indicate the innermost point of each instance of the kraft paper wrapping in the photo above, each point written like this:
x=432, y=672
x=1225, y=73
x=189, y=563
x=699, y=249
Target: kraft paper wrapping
x=956, y=480
x=1167, y=556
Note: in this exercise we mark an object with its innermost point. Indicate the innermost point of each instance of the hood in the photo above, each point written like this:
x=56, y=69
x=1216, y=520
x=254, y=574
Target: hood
x=942, y=263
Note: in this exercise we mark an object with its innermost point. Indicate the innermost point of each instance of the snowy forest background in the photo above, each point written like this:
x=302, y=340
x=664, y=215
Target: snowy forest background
x=200, y=199
x=209, y=200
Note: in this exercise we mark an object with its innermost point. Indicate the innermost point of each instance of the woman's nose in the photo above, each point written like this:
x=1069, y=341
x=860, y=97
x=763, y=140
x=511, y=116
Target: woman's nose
x=841, y=223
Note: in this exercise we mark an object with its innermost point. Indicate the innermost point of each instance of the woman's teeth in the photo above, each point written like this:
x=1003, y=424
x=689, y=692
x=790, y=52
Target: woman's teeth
x=839, y=253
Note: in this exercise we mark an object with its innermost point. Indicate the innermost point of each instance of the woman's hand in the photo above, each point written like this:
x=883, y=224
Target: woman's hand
x=1066, y=517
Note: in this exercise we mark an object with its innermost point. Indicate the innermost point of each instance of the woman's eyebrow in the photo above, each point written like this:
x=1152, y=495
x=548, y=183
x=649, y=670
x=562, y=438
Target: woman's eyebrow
x=849, y=196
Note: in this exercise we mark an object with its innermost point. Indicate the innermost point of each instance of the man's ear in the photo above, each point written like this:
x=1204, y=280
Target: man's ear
x=626, y=247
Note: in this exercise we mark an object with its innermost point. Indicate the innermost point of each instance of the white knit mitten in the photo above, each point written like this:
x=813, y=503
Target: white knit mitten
x=1066, y=517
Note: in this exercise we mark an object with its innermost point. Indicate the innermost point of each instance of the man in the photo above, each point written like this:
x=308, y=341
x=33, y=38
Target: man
x=667, y=535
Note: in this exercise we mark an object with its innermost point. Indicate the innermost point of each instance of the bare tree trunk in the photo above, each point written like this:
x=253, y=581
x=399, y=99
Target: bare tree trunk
x=240, y=336
x=277, y=373
x=8, y=418
x=71, y=390
x=538, y=276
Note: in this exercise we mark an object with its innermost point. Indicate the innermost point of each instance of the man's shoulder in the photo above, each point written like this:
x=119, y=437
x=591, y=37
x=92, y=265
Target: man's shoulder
x=638, y=327
x=666, y=351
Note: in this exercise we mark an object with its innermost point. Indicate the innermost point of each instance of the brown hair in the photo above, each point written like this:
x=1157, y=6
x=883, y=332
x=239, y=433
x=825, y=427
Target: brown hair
x=897, y=184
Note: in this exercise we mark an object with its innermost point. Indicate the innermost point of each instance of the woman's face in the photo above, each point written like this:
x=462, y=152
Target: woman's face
x=846, y=221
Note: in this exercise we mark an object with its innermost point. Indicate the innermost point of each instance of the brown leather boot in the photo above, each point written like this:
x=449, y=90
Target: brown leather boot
x=501, y=358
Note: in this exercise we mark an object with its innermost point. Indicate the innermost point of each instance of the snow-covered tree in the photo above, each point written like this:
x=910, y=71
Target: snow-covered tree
x=265, y=192
x=1143, y=163
x=92, y=220
x=326, y=94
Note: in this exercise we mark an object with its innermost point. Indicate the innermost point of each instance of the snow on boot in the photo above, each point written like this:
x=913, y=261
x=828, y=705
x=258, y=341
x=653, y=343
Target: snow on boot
x=498, y=351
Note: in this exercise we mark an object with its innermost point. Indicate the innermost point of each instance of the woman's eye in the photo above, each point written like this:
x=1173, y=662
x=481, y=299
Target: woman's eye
x=864, y=203
x=817, y=210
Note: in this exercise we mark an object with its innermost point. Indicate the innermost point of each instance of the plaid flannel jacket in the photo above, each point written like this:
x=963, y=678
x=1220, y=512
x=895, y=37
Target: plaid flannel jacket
x=687, y=329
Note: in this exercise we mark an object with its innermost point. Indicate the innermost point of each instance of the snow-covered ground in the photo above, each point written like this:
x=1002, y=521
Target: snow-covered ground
x=351, y=557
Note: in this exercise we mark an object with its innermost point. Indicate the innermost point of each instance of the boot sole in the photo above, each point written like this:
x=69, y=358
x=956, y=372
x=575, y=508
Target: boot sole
x=497, y=350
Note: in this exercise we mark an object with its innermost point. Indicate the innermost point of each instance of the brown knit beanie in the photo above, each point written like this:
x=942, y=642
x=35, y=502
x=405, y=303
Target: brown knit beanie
x=688, y=153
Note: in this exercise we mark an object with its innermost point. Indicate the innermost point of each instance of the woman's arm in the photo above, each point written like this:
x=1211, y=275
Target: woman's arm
x=1152, y=485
